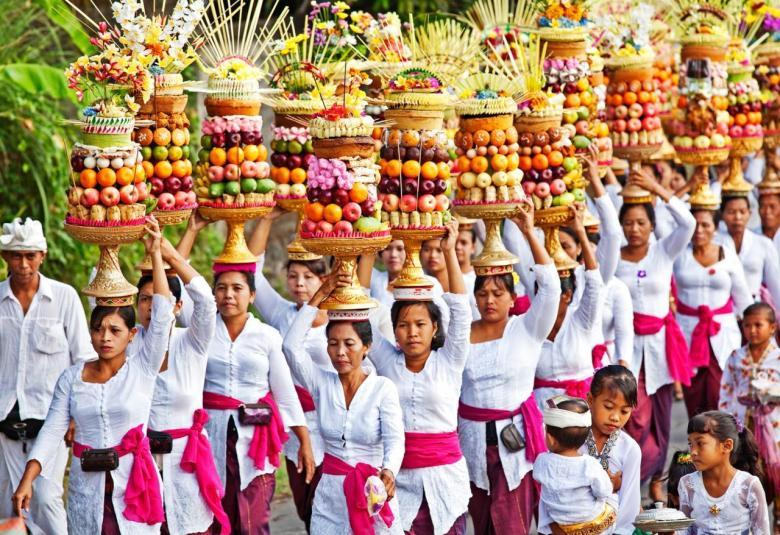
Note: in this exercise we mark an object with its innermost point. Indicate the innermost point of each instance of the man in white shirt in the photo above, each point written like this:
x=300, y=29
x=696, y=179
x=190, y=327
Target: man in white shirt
x=44, y=331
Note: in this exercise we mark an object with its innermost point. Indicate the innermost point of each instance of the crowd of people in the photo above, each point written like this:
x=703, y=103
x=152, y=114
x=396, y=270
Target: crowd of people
x=540, y=399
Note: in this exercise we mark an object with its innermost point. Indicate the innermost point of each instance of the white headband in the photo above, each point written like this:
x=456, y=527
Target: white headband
x=23, y=237
x=555, y=417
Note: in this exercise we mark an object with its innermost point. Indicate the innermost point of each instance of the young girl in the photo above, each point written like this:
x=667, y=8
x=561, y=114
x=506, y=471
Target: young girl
x=754, y=363
x=723, y=495
x=612, y=398
x=681, y=465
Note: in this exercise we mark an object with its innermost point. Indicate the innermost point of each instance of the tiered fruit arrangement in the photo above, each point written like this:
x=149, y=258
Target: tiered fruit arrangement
x=232, y=171
x=633, y=109
x=570, y=77
x=598, y=83
x=744, y=104
x=292, y=152
x=768, y=78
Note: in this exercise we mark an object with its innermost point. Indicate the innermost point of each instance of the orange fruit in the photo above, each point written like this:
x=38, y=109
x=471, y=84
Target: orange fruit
x=512, y=161
x=262, y=153
x=358, y=193
x=217, y=156
x=163, y=169
x=481, y=138
x=162, y=136
x=643, y=97
x=144, y=137
x=148, y=169
x=314, y=211
x=617, y=100
x=464, y=164
x=629, y=98
x=540, y=162
x=429, y=170
x=497, y=137
x=179, y=137
x=479, y=164
x=179, y=168
x=555, y=158
x=393, y=168
x=411, y=169
x=498, y=162
x=282, y=175
x=741, y=119
x=444, y=171
x=298, y=175
x=572, y=100
x=332, y=213
x=88, y=178
x=124, y=176
x=140, y=173
x=251, y=152
x=235, y=155
x=106, y=177
x=525, y=163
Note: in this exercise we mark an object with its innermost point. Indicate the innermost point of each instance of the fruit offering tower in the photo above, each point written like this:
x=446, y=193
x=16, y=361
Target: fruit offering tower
x=598, y=82
x=767, y=73
x=343, y=213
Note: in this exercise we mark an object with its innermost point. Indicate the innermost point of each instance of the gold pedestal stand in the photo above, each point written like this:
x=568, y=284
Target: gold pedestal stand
x=702, y=197
x=165, y=218
x=736, y=185
x=633, y=194
x=550, y=221
x=494, y=258
x=346, y=251
x=412, y=275
x=296, y=250
x=235, y=250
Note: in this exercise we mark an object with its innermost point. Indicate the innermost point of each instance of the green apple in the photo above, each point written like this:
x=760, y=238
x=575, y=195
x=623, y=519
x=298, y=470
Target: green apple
x=175, y=153
x=570, y=163
x=160, y=153
x=205, y=142
x=216, y=189
x=146, y=152
x=566, y=199
x=556, y=200
x=281, y=145
x=367, y=224
x=265, y=185
x=583, y=113
x=308, y=146
x=232, y=187
x=185, y=150
x=294, y=147
x=579, y=194
x=248, y=185
x=203, y=155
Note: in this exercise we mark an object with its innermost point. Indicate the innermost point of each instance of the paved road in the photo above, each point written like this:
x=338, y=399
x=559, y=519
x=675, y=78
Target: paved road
x=284, y=520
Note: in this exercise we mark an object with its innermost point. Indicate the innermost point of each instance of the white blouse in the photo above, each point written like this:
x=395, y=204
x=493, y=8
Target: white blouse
x=499, y=374
x=649, y=282
x=568, y=357
x=470, y=279
x=759, y=260
x=369, y=431
x=622, y=455
x=617, y=322
x=741, y=510
x=103, y=414
x=178, y=393
x=247, y=368
x=429, y=401
x=279, y=313
x=713, y=286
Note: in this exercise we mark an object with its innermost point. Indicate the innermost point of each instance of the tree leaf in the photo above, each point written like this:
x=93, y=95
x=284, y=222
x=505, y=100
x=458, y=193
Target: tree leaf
x=38, y=79
x=62, y=15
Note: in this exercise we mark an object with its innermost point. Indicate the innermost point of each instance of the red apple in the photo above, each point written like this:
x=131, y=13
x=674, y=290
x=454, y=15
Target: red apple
x=648, y=123
x=232, y=172
x=528, y=187
x=542, y=190
x=172, y=184
x=650, y=110
x=143, y=191
x=619, y=126
x=634, y=125
x=90, y=197
x=186, y=183
x=557, y=187
x=109, y=196
x=426, y=203
x=166, y=201
x=751, y=130
x=324, y=226
x=442, y=202
x=351, y=212
x=722, y=128
x=308, y=226
x=158, y=186
x=342, y=227
x=390, y=202
x=181, y=198
x=408, y=203
x=192, y=198
x=128, y=194
x=341, y=197
x=621, y=112
x=216, y=173
x=635, y=110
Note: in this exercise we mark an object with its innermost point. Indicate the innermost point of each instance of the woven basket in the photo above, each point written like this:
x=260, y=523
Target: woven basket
x=489, y=123
x=742, y=146
x=106, y=235
x=535, y=124
x=164, y=104
x=416, y=119
x=221, y=107
x=713, y=52
x=565, y=49
x=703, y=157
x=639, y=71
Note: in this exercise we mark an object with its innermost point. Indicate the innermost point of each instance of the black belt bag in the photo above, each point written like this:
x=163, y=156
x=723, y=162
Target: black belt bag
x=510, y=437
x=17, y=429
x=159, y=441
x=255, y=414
x=99, y=460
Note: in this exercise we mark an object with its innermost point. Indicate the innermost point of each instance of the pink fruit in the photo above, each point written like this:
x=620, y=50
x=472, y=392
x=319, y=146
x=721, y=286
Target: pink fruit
x=181, y=198
x=648, y=123
x=635, y=110
x=216, y=173
x=351, y=212
x=634, y=125
x=542, y=190
x=191, y=198
x=722, y=128
x=263, y=169
x=557, y=187
x=581, y=127
x=650, y=110
x=390, y=202
x=128, y=194
x=751, y=130
x=166, y=201
x=408, y=203
x=426, y=203
x=621, y=112
x=442, y=202
x=619, y=126
x=248, y=169
x=342, y=227
x=90, y=197
x=143, y=191
x=324, y=226
x=528, y=187
x=308, y=226
x=232, y=171
x=109, y=196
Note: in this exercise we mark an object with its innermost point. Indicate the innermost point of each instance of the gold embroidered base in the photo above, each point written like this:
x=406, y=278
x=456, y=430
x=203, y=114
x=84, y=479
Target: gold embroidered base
x=235, y=250
x=296, y=250
x=412, y=275
x=494, y=258
x=550, y=221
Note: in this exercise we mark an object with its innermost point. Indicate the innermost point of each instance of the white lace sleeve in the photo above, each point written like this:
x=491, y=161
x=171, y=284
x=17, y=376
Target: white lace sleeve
x=294, y=348
x=752, y=494
x=685, y=491
x=456, y=343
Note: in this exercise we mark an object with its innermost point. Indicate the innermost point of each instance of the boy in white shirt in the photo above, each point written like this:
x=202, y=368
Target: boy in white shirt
x=576, y=491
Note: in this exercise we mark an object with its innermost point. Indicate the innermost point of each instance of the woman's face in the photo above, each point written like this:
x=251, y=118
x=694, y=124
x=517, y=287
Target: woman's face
x=302, y=283
x=736, y=215
x=570, y=247
x=345, y=348
x=636, y=226
x=393, y=257
x=414, y=330
x=494, y=301
x=769, y=211
x=232, y=294
x=432, y=257
x=705, y=228
x=111, y=338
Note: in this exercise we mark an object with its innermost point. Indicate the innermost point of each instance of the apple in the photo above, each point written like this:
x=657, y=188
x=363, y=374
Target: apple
x=619, y=126
x=718, y=141
x=186, y=183
x=546, y=175
x=283, y=190
x=158, y=186
x=751, y=130
x=294, y=160
x=427, y=186
x=159, y=153
x=529, y=187
x=326, y=197
x=650, y=110
x=722, y=128
x=233, y=187
x=263, y=169
x=410, y=185
x=351, y=212
x=90, y=197
x=441, y=186
x=232, y=171
x=172, y=184
x=216, y=189
x=579, y=194
x=248, y=169
x=298, y=190
x=181, y=198
x=324, y=226
x=581, y=127
x=484, y=180
x=408, y=203
x=648, y=124
x=468, y=179
x=265, y=185
x=341, y=197
x=569, y=116
x=635, y=110
x=621, y=112
x=216, y=173
x=570, y=163
x=248, y=185
x=542, y=190
x=426, y=203
x=143, y=191
x=308, y=226
x=685, y=142
x=342, y=227
x=557, y=186
x=566, y=198
x=128, y=194
x=192, y=198
x=109, y=196
x=500, y=179
x=442, y=202
x=166, y=201
x=367, y=225
x=233, y=139
x=390, y=202
x=702, y=142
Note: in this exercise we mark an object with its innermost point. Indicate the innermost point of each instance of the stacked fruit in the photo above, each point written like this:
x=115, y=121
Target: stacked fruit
x=414, y=169
x=744, y=107
x=232, y=171
x=632, y=111
x=666, y=80
x=292, y=150
x=570, y=77
x=600, y=128
x=768, y=77
x=489, y=165
x=166, y=151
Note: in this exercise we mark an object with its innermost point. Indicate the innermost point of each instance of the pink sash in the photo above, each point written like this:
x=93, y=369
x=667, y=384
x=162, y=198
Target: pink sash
x=707, y=326
x=521, y=306
x=267, y=440
x=143, y=499
x=533, y=424
x=424, y=450
x=307, y=402
x=597, y=354
x=676, y=348
x=572, y=387
x=354, y=491
x=197, y=459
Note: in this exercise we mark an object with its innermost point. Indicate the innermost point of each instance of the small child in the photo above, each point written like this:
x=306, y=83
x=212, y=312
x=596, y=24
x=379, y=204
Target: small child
x=575, y=488
x=718, y=496
x=612, y=398
x=681, y=465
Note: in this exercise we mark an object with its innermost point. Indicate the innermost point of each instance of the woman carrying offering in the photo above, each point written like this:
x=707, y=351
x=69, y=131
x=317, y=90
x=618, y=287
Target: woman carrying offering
x=114, y=486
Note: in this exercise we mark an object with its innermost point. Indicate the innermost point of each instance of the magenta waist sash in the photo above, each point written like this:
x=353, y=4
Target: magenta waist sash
x=143, y=499
x=197, y=459
x=572, y=387
x=676, y=348
x=267, y=440
x=533, y=424
x=354, y=491
x=707, y=326
x=424, y=450
x=597, y=354
x=304, y=396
